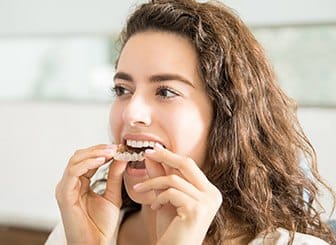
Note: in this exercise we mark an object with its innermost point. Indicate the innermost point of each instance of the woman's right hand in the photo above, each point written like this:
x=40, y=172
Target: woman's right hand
x=89, y=218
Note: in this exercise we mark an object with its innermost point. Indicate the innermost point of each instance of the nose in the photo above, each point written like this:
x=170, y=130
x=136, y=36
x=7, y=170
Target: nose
x=137, y=111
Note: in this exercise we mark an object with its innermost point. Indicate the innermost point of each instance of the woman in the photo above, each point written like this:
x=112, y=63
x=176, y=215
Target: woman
x=225, y=167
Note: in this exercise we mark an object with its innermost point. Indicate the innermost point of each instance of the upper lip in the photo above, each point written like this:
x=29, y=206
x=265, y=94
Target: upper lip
x=141, y=137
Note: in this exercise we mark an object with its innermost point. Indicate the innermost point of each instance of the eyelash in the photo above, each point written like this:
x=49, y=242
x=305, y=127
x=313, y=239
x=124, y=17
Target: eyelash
x=166, y=88
x=119, y=91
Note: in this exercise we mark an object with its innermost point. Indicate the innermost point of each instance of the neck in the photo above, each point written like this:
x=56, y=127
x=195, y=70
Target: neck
x=147, y=219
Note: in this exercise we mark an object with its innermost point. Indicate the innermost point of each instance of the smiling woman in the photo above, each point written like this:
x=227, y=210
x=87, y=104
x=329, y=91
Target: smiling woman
x=225, y=164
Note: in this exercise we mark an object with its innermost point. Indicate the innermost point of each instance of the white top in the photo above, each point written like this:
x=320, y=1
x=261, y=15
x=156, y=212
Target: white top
x=279, y=237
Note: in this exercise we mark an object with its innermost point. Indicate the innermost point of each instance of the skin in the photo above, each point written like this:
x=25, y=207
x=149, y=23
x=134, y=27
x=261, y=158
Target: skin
x=178, y=201
x=178, y=111
x=87, y=216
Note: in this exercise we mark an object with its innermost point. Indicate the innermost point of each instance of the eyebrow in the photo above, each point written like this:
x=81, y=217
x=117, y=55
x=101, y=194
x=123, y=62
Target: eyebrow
x=155, y=78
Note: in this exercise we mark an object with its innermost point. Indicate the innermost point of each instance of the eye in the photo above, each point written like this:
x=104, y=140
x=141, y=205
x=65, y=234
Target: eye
x=165, y=92
x=119, y=90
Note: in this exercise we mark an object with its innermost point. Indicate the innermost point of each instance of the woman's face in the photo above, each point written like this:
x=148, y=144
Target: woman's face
x=160, y=98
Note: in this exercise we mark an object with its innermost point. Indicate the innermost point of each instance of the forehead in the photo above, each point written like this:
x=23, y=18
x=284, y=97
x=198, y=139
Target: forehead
x=159, y=52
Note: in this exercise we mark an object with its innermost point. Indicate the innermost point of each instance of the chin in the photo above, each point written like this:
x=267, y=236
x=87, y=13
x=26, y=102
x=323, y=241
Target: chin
x=143, y=198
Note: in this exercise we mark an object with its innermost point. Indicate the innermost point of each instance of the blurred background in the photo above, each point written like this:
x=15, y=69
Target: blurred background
x=56, y=68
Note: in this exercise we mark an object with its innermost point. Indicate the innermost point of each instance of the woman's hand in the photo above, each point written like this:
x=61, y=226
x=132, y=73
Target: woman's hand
x=89, y=218
x=186, y=202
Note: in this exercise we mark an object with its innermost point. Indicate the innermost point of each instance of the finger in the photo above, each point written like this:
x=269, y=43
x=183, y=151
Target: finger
x=85, y=169
x=86, y=179
x=154, y=169
x=102, y=150
x=166, y=182
x=176, y=198
x=71, y=178
x=187, y=210
x=84, y=185
x=185, y=165
x=114, y=182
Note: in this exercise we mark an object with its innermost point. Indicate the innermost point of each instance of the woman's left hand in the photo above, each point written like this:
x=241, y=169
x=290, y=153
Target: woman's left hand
x=186, y=201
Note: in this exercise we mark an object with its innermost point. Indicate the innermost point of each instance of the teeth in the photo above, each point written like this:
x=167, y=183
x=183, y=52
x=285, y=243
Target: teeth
x=126, y=156
x=136, y=157
x=140, y=144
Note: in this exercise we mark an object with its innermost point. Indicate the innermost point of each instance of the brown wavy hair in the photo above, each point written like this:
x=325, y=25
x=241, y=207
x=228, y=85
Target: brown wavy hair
x=256, y=141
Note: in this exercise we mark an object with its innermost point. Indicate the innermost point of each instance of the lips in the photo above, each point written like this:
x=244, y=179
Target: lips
x=136, y=169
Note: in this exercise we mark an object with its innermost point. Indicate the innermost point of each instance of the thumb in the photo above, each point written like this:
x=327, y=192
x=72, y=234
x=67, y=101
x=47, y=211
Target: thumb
x=154, y=169
x=163, y=215
x=114, y=182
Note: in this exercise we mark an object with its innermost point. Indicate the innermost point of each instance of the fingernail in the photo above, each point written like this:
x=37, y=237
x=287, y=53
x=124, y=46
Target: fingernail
x=155, y=206
x=149, y=151
x=137, y=186
x=100, y=159
x=109, y=151
x=158, y=145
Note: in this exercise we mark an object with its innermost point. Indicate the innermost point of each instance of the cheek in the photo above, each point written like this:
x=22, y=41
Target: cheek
x=190, y=132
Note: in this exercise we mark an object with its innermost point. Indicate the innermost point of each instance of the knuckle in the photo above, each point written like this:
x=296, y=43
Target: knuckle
x=77, y=152
x=97, y=152
x=200, y=209
x=170, y=191
x=164, y=154
x=188, y=161
x=196, y=211
x=101, y=146
x=58, y=191
x=215, y=199
x=71, y=171
x=184, y=162
x=173, y=178
x=218, y=195
x=74, y=156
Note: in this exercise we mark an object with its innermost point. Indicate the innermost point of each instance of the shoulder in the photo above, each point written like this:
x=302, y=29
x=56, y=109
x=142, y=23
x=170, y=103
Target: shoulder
x=281, y=236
